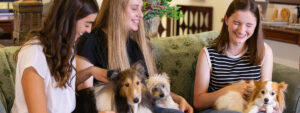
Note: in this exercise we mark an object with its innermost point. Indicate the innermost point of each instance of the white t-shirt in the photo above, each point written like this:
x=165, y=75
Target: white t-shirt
x=59, y=100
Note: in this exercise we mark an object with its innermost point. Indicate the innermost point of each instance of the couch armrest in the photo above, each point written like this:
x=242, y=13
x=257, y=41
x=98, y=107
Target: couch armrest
x=298, y=105
x=291, y=76
x=3, y=105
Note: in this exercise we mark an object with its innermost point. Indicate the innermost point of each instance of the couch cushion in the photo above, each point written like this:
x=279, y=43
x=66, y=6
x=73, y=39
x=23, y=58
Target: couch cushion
x=176, y=55
x=291, y=76
x=7, y=74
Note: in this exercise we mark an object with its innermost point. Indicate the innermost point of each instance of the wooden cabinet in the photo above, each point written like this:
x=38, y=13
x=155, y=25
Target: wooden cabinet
x=294, y=2
x=7, y=27
x=282, y=35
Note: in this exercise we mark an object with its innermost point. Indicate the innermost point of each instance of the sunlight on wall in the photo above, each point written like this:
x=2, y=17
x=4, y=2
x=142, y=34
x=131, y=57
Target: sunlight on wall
x=4, y=5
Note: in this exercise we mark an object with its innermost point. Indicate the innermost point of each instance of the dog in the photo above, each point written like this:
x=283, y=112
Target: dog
x=126, y=92
x=159, y=87
x=266, y=94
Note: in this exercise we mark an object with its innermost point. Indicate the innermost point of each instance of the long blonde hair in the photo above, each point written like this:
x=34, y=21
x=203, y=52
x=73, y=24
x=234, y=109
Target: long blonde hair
x=112, y=16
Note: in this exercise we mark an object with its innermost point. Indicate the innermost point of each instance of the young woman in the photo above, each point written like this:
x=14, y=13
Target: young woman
x=238, y=53
x=116, y=42
x=45, y=73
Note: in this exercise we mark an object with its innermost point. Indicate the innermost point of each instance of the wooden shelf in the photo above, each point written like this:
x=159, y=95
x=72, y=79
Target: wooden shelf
x=288, y=36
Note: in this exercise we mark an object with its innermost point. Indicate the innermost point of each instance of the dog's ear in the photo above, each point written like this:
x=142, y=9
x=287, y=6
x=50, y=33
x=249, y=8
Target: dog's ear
x=282, y=87
x=113, y=74
x=139, y=67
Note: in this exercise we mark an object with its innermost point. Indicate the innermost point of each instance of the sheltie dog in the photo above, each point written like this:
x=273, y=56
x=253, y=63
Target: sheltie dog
x=125, y=93
x=266, y=94
x=159, y=88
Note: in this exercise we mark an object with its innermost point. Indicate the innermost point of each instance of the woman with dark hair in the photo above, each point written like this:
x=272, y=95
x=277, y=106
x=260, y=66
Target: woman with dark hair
x=116, y=42
x=238, y=53
x=45, y=72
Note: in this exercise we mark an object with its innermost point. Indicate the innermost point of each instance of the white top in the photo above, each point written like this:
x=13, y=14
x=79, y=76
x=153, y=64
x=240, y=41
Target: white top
x=59, y=100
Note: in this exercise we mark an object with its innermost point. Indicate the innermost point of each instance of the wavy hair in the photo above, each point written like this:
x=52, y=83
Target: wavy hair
x=112, y=16
x=255, y=42
x=57, y=35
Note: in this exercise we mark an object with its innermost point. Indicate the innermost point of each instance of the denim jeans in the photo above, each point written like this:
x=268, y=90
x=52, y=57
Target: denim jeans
x=157, y=109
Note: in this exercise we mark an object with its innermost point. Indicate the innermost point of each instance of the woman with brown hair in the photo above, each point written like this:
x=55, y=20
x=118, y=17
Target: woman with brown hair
x=238, y=53
x=45, y=69
x=118, y=41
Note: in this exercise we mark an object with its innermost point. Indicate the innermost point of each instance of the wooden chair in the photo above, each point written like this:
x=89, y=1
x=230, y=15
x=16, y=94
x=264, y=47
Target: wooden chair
x=197, y=19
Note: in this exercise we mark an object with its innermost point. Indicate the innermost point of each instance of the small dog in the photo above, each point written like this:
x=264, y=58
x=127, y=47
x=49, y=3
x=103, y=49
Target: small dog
x=159, y=87
x=266, y=94
x=126, y=93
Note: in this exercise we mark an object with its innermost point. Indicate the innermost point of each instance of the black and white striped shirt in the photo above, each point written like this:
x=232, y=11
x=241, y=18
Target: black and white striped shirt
x=230, y=69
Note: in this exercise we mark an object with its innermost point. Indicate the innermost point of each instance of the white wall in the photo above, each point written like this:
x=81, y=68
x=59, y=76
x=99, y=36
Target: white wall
x=285, y=53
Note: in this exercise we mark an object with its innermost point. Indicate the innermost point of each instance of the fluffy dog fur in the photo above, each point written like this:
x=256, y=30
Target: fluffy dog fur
x=159, y=87
x=266, y=94
x=269, y=95
x=125, y=93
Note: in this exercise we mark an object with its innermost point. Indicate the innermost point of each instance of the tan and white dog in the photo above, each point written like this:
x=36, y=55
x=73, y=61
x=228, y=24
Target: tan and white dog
x=266, y=94
x=159, y=87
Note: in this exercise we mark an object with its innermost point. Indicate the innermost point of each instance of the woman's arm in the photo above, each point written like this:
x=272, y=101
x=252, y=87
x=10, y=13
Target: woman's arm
x=267, y=65
x=81, y=64
x=34, y=91
x=183, y=104
x=85, y=70
x=202, y=99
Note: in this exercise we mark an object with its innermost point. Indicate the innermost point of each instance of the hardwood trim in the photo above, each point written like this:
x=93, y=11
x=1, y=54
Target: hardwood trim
x=288, y=36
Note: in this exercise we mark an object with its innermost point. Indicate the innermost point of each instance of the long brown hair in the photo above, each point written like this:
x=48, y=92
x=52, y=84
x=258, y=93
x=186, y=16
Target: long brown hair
x=255, y=42
x=57, y=35
x=112, y=17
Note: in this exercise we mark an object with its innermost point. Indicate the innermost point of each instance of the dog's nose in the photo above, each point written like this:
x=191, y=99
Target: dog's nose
x=136, y=100
x=266, y=100
x=162, y=95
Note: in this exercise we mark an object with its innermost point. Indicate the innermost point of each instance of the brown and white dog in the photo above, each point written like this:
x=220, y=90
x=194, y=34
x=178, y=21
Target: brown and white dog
x=266, y=94
x=125, y=93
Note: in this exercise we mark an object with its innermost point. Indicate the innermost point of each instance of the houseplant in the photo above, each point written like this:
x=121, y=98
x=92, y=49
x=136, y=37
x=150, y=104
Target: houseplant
x=153, y=10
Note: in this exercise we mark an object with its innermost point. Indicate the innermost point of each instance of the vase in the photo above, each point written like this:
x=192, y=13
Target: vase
x=152, y=27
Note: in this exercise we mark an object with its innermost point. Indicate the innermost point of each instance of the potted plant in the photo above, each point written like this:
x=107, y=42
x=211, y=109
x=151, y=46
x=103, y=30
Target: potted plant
x=153, y=10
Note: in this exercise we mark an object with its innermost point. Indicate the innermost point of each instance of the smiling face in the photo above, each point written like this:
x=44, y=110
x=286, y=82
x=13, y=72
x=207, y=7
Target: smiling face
x=84, y=25
x=241, y=26
x=134, y=14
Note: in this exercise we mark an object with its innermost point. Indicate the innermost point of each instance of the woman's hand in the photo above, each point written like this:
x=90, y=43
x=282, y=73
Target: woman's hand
x=185, y=106
x=99, y=73
x=275, y=109
x=244, y=88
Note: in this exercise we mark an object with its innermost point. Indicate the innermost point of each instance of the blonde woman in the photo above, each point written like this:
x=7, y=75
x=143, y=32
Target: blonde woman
x=116, y=42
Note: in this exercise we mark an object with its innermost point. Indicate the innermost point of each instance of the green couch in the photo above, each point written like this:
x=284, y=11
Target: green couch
x=177, y=56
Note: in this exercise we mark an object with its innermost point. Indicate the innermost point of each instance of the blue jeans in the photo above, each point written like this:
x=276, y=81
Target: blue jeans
x=210, y=110
x=157, y=109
